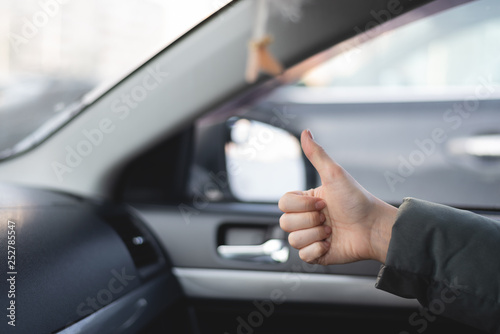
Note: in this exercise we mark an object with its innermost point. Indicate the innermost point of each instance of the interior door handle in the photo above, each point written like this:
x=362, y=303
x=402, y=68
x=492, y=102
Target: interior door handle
x=274, y=250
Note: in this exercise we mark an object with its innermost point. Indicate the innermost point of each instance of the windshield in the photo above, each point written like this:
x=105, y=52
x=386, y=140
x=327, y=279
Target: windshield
x=54, y=52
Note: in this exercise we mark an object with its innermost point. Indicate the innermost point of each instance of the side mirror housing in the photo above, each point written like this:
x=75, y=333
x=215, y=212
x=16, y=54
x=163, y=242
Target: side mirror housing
x=249, y=161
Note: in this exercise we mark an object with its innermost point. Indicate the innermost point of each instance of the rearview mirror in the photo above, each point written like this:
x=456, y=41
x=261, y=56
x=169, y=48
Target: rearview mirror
x=263, y=161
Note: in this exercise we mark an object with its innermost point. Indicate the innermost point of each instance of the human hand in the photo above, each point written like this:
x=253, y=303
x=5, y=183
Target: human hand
x=338, y=222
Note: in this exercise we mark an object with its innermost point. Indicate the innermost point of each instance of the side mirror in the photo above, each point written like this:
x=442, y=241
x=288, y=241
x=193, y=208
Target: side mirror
x=263, y=161
x=240, y=159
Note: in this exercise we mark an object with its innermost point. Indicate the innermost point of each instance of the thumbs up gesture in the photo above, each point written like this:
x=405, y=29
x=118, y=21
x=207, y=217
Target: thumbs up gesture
x=339, y=221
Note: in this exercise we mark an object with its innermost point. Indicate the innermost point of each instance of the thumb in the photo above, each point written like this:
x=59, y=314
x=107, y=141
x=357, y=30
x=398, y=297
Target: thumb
x=326, y=167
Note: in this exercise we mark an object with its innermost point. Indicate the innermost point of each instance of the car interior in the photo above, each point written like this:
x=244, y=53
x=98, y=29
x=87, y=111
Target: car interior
x=150, y=205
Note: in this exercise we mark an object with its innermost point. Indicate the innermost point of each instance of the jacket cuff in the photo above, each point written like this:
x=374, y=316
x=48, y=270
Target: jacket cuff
x=447, y=259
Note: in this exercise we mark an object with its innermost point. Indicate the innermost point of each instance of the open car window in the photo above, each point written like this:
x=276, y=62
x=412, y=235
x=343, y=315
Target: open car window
x=413, y=112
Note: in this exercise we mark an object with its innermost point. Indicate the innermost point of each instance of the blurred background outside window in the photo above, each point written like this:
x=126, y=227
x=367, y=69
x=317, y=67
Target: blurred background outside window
x=52, y=52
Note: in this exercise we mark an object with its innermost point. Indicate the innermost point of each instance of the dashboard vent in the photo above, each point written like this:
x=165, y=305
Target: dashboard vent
x=141, y=244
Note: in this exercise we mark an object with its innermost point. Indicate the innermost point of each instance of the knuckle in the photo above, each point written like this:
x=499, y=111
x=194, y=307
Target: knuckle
x=291, y=240
x=294, y=240
x=281, y=203
x=283, y=223
x=321, y=249
x=320, y=232
x=303, y=256
x=306, y=257
x=334, y=170
x=313, y=218
x=309, y=204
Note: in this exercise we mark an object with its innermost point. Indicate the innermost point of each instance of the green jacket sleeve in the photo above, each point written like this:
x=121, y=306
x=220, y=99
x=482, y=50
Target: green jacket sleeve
x=449, y=260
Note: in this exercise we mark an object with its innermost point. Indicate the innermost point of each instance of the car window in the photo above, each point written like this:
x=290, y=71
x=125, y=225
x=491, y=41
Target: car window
x=425, y=56
x=54, y=52
x=412, y=112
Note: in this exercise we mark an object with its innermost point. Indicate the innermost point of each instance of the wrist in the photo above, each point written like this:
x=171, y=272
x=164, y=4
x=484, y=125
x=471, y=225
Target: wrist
x=381, y=231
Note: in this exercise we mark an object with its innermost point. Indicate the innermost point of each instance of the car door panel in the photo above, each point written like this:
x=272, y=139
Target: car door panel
x=203, y=273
